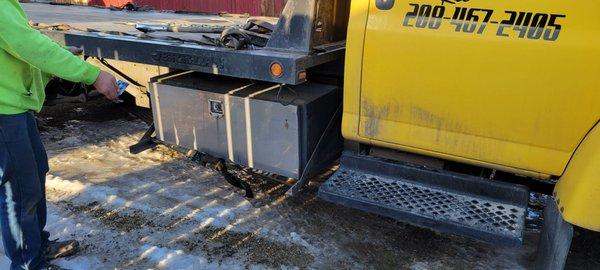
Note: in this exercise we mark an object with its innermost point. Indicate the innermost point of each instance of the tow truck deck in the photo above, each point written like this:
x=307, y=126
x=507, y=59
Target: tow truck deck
x=108, y=34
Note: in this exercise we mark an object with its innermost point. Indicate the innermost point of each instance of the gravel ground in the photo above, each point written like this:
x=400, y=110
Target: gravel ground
x=159, y=210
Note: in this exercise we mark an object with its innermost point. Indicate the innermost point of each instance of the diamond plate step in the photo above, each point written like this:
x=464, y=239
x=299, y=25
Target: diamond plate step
x=446, y=202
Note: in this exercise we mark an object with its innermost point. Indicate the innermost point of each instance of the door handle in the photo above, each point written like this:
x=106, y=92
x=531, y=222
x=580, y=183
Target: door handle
x=385, y=4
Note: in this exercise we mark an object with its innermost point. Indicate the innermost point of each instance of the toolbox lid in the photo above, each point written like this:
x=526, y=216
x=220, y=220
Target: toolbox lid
x=201, y=81
x=297, y=95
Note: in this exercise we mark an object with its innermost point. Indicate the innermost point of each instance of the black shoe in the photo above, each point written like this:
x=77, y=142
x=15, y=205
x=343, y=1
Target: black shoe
x=56, y=249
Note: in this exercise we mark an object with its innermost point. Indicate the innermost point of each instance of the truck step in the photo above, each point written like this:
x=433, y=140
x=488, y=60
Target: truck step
x=479, y=208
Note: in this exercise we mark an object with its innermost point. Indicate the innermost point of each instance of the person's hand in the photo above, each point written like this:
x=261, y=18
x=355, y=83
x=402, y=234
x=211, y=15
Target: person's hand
x=75, y=50
x=106, y=84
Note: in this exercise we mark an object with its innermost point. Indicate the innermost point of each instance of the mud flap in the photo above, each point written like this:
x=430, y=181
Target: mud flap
x=555, y=240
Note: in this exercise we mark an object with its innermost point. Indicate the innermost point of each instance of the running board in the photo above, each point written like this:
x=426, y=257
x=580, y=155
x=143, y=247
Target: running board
x=447, y=202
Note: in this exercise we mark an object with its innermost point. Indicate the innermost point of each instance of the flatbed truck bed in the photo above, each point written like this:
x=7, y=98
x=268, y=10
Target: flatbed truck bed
x=112, y=35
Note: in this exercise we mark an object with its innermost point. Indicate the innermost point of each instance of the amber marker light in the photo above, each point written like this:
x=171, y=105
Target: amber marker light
x=276, y=70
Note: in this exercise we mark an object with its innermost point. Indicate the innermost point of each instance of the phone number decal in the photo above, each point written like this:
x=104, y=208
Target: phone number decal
x=524, y=25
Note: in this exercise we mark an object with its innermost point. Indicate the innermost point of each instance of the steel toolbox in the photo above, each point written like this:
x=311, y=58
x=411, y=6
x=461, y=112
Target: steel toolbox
x=264, y=126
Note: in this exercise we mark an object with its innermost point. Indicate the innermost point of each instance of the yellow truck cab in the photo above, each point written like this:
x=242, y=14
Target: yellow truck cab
x=509, y=87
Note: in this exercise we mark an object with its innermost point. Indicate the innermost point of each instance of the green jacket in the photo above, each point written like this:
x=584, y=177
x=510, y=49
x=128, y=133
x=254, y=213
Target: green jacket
x=28, y=59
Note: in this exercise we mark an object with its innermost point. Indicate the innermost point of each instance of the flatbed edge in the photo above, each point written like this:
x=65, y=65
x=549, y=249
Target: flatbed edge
x=247, y=64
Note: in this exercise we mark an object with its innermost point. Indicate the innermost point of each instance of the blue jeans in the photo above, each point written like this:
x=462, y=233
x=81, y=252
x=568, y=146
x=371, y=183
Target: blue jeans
x=23, y=168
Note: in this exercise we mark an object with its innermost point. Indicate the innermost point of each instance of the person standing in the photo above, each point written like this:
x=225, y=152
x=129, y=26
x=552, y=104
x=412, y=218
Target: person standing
x=28, y=59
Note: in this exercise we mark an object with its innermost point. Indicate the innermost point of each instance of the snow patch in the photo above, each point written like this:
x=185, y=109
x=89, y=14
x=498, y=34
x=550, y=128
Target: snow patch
x=87, y=193
x=165, y=258
x=63, y=228
x=72, y=187
x=218, y=216
x=70, y=142
x=215, y=215
x=296, y=238
x=80, y=263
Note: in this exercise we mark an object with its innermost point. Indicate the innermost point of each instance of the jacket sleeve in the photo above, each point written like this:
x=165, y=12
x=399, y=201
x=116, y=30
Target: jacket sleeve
x=30, y=46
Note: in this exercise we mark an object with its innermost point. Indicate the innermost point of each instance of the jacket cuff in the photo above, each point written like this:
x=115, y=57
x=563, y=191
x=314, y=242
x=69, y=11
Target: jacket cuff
x=91, y=74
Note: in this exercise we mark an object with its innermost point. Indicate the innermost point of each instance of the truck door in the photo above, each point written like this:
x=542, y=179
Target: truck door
x=511, y=83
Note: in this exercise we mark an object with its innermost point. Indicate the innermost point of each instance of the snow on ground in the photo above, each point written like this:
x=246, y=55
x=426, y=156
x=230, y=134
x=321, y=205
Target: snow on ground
x=158, y=207
x=159, y=210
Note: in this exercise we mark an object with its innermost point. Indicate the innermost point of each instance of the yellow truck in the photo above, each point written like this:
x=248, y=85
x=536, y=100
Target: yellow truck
x=505, y=86
x=448, y=111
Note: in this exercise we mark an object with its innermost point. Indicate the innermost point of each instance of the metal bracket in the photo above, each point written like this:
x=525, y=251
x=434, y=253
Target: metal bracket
x=306, y=173
x=295, y=27
x=147, y=142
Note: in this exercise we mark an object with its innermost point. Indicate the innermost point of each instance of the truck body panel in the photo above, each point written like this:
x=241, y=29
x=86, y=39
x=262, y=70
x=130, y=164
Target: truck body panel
x=516, y=104
x=577, y=190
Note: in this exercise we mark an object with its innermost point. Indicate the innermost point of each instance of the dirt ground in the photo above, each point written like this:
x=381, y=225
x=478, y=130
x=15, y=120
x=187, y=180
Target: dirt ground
x=160, y=210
